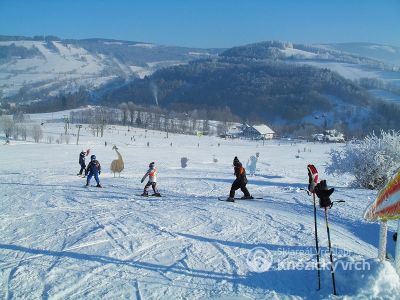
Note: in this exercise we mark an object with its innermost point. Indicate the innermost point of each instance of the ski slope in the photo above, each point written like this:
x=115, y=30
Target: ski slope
x=59, y=240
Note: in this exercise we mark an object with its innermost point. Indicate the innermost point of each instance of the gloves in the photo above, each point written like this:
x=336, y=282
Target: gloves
x=99, y=172
x=323, y=194
x=141, y=181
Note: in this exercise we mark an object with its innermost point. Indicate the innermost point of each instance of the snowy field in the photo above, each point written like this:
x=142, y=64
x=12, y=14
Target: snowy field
x=60, y=240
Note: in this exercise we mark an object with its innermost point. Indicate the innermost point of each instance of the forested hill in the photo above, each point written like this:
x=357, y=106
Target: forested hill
x=272, y=91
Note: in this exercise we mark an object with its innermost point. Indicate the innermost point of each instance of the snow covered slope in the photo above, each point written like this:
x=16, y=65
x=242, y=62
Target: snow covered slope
x=60, y=240
x=386, y=53
x=34, y=69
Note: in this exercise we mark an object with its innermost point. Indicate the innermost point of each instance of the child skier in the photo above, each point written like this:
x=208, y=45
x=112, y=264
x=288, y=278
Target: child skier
x=240, y=181
x=94, y=169
x=82, y=162
x=152, y=173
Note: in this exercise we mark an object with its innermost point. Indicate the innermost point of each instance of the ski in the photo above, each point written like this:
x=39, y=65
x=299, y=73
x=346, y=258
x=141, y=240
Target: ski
x=225, y=199
x=150, y=195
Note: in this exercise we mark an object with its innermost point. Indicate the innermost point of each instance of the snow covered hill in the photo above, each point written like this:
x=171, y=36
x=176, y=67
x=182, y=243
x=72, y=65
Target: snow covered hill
x=353, y=61
x=386, y=53
x=60, y=240
x=34, y=69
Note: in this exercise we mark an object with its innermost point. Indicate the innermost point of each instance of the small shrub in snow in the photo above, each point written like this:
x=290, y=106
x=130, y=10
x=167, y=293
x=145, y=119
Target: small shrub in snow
x=184, y=161
x=373, y=161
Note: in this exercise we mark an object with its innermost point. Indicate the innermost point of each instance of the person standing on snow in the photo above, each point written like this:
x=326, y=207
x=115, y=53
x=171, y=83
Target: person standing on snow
x=252, y=164
x=240, y=181
x=152, y=173
x=82, y=162
x=93, y=169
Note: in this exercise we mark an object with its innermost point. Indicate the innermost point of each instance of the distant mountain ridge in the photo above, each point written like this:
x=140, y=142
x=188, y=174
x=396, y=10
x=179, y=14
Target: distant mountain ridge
x=286, y=50
x=281, y=94
x=386, y=53
x=286, y=84
x=38, y=67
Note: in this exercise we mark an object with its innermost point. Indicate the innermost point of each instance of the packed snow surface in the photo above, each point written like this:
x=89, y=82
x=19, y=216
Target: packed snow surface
x=60, y=240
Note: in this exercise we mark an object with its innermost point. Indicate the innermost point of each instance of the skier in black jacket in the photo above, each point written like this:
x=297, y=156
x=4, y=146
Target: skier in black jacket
x=82, y=162
x=240, y=181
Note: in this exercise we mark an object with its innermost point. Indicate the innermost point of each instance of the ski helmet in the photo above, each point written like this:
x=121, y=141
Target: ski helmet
x=93, y=157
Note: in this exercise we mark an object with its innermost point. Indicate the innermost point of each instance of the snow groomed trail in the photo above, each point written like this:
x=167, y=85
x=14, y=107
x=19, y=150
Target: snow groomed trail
x=59, y=240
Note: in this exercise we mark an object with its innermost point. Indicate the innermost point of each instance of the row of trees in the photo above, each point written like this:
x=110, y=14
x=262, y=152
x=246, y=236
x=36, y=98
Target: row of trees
x=130, y=114
x=15, y=130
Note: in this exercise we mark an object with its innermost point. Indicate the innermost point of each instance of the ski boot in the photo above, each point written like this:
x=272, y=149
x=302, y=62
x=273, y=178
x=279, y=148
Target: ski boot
x=145, y=194
x=157, y=195
x=230, y=199
x=247, y=197
x=98, y=185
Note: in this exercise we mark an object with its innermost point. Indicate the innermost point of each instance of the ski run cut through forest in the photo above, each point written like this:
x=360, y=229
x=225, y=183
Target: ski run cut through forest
x=61, y=240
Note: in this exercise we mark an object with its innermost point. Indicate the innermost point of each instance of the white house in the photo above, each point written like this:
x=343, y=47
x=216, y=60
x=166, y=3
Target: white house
x=236, y=131
x=258, y=132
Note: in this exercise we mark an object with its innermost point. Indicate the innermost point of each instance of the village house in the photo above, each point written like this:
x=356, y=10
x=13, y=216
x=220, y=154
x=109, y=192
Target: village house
x=255, y=132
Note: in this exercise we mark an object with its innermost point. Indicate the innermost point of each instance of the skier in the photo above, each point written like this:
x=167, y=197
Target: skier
x=94, y=169
x=152, y=173
x=252, y=164
x=82, y=162
x=240, y=181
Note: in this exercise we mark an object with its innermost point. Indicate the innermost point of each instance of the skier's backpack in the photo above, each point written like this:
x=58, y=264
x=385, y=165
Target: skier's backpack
x=312, y=177
x=323, y=193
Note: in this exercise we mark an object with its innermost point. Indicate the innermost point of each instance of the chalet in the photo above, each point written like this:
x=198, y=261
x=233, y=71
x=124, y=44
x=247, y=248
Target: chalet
x=236, y=131
x=258, y=132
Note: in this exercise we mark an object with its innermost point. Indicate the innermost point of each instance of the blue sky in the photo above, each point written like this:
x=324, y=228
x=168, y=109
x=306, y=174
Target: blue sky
x=206, y=23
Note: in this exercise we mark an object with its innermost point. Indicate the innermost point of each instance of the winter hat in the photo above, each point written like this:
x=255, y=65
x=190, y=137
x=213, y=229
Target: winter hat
x=151, y=165
x=235, y=161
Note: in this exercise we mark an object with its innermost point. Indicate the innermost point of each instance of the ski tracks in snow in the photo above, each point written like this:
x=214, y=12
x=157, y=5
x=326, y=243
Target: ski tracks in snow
x=108, y=243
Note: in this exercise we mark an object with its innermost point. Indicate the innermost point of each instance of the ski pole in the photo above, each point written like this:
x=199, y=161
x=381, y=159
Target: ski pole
x=316, y=243
x=330, y=251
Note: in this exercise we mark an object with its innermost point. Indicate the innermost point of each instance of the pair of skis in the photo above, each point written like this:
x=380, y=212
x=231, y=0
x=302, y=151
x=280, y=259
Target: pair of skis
x=313, y=184
x=241, y=199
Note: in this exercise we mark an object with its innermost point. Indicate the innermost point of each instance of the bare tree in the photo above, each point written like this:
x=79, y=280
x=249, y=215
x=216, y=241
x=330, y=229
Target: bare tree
x=24, y=132
x=206, y=126
x=100, y=119
x=124, y=108
x=18, y=117
x=15, y=133
x=49, y=139
x=37, y=133
x=221, y=129
x=131, y=108
x=7, y=125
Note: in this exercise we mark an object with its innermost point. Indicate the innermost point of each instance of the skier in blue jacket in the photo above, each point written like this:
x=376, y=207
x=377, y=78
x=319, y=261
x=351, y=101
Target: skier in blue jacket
x=93, y=169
